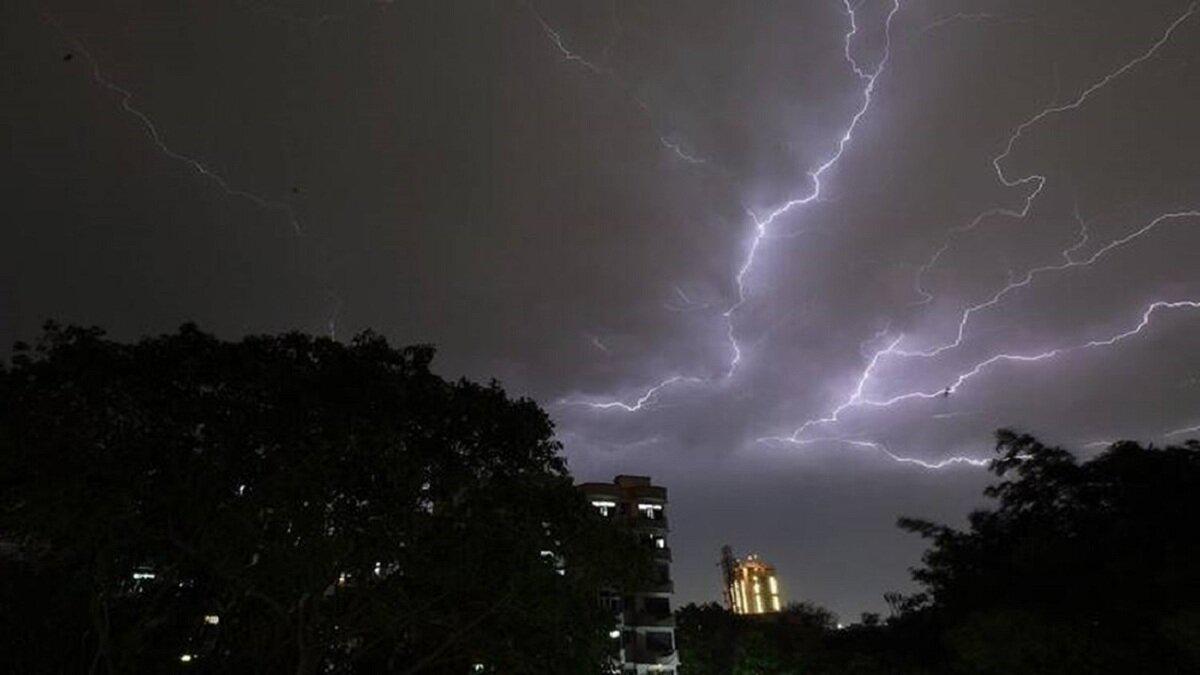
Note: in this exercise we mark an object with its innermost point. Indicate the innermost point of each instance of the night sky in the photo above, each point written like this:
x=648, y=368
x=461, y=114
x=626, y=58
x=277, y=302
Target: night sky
x=795, y=276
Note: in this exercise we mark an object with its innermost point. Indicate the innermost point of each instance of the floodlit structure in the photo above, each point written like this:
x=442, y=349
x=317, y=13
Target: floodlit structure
x=645, y=624
x=751, y=586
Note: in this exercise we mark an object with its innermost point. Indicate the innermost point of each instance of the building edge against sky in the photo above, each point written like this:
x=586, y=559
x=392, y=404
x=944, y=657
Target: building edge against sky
x=645, y=622
x=750, y=584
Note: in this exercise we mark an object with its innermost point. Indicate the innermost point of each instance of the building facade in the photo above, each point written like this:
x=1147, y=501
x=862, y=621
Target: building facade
x=646, y=624
x=753, y=587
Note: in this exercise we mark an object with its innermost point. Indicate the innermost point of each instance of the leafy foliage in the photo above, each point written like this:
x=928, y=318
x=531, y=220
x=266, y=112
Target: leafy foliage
x=1080, y=567
x=335, y=507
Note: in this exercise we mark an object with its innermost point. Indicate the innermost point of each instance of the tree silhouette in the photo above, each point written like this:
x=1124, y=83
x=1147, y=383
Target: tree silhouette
x=288, y=504
x=1080, y=567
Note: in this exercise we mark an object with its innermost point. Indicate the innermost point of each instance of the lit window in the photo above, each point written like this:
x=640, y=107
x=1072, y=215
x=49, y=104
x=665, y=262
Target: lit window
x=650, y=511
x=604, y=507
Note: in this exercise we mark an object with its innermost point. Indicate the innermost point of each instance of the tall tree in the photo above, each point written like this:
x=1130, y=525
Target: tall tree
x=1080, y=567
x=288, y=504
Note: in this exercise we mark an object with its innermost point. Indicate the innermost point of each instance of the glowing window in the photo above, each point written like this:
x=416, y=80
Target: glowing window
x=650, y=511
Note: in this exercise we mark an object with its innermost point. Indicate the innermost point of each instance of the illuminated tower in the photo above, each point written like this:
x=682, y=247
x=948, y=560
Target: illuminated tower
x=645, y=624
x=754, y=588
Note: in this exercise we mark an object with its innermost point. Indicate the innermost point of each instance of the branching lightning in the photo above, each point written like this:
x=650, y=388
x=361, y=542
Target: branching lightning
x=667, y=141
x=1037, y=180
x=1069, y=262
x=151, y=129
x=858, y=399
x=1033, y=183
x=762, y=225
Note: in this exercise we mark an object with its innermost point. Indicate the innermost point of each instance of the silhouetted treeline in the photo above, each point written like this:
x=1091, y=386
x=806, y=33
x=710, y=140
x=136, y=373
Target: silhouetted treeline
x=288, y=504
x=1080, y=567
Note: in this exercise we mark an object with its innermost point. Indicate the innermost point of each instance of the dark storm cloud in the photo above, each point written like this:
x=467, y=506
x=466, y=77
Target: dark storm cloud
x=558, y=195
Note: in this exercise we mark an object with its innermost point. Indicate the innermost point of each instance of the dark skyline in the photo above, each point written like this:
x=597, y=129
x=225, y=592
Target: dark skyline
x=796, y=262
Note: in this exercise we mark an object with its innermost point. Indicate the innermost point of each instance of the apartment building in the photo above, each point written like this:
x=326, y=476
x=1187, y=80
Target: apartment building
x=646, y=624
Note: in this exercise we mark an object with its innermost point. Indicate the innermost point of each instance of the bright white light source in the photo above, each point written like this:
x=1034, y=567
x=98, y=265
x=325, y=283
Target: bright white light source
x=614, y=634
x=212, y=619
x=185, y=658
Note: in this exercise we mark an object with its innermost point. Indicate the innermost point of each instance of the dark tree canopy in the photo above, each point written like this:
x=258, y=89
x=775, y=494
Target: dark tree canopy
x=287, y=504
x=714, y=641
x=1079, y=567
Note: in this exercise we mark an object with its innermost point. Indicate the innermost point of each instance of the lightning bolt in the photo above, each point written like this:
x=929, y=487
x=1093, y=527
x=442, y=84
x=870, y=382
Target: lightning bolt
x=1037, y=180
x=1180, y=432
x=557, y=39
x=641, y=402
x=762, y=225
x=126, y=100
x=883, y=449
x=560, y=44
x=1069, y=262
x=975, y=17
x=857, y=399
x=287, y=17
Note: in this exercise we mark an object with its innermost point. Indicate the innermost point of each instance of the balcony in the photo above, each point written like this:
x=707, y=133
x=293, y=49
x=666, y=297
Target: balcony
x=642, y=655
x=666, y=586
x=658, y=522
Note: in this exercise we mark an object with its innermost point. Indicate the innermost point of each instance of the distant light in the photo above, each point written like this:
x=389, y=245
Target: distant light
x=212, y=619
x=614, y=634
x=185, y=658
x=144, y=575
